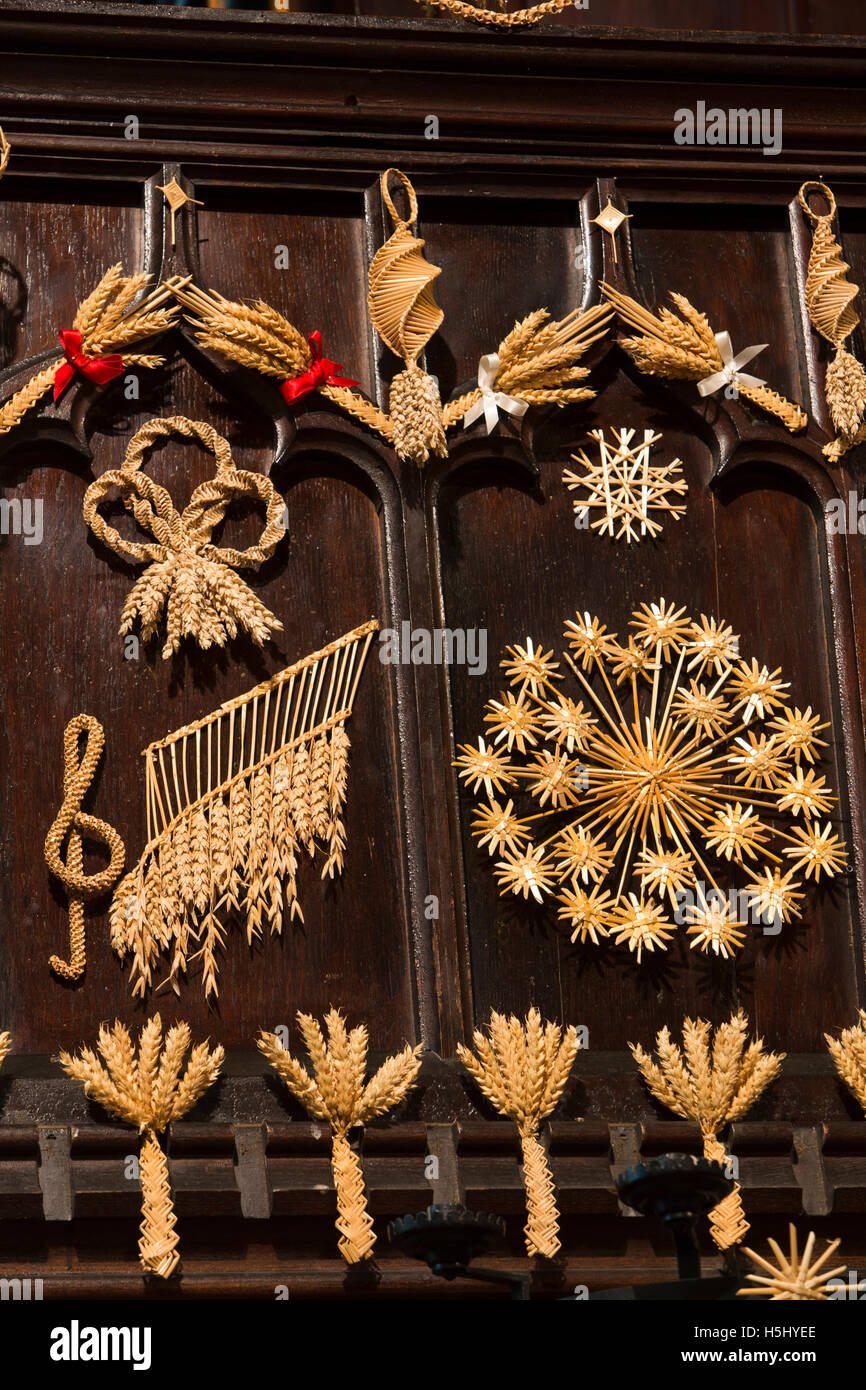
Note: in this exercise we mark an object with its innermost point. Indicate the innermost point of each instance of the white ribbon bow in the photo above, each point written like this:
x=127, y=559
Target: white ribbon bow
x=730, y=373
x=492, y=401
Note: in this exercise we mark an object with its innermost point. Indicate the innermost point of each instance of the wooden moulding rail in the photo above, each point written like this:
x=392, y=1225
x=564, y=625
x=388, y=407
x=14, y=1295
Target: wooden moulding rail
x=256, y=1171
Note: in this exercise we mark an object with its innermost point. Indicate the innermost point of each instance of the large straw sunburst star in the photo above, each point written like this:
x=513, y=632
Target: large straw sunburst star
x=680, y=767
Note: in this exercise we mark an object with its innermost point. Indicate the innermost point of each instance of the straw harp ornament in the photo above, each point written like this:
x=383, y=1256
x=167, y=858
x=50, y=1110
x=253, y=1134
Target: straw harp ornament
x=144, y=1088
x=405, y=314
x=712, y=1084
x=189, y=578
x=830, y=296
x=232, y=800
x=522, y=1069
x=338, y=1094
x=688, y=349
x=71, y=820
x=111, y=319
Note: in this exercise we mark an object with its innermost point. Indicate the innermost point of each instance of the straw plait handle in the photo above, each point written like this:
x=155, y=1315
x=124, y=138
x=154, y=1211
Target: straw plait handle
x=399, y=221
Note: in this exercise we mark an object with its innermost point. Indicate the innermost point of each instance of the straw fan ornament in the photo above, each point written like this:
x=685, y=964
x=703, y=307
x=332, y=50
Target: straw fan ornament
x=830, y=296
x=535, y=364
x=338, y=1093
x=679, y=766
x=624, y=487
x=78, y=773
x=144, y=1087
x=794, y=1278
x=686, y=348
x=713, y=1081
x=110, y=320
x=232, y=801
x=522, y=1068
x=189, y=580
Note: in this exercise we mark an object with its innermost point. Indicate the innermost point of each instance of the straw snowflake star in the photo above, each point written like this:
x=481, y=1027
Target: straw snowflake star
x=655, y=791
x=625, y=487
x=794, y=1277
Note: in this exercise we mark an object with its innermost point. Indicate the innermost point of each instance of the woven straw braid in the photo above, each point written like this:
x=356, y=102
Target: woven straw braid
x=542, y=1226
x=72, y=821
x=728, y=1224
x=157, y=1246
x=354, y=1221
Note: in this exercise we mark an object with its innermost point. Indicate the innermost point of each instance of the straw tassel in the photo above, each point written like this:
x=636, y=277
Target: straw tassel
x=145, y=1088
x=338, y=1093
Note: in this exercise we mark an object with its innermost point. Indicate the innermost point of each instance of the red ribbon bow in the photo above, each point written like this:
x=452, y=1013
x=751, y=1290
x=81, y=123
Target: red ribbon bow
x=98, y=369
x=322, y=372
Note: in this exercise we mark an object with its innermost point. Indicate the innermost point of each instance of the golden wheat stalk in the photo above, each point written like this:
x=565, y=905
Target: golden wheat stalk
x=522, y=1068
x=849, y=1057
x=108, y=321
x=145, y=1088
x=685, y=349
x=338, y=1093
x=713, y=1081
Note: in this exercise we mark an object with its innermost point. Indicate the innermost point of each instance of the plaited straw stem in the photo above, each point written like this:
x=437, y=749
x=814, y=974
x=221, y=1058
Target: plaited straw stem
x=685, y=349
x=144, y=1087
x=189, y=580
x=522, y=1068
x=849, y=1057
x=336, y=1091
x=830, y=296
x=109, y=321
x=713, y=1083
x=405, y=315
x=71, y=821
x=500, y=19
x=232, y=800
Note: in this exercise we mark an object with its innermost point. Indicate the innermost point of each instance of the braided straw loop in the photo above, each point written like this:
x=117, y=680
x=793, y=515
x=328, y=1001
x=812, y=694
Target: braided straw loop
x=71, y=821
x=189, y=577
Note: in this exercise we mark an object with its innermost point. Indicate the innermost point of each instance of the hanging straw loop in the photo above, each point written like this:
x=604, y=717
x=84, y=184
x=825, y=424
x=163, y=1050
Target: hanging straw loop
x=399, y=222
x=803, y=199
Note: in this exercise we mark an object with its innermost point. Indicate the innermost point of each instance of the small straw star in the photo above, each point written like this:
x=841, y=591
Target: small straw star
x=484, y=766
x=711, y=645
x=805, y=792
x=816, y=850
x=514, y=720
x=583, y=856
x=642, y=925
x=734, y=832
x=794, y=1277
x=661, y=623
x=665, y=873
x=760, y=760
x=714, y=927
x=775, y=896
x=532, y=669
x=556, y=779
x=588, y=639
x=499, y=828
x=587, y=913
x=756, y=690
x=797, y=733
x=568, y=722
x=526, y=872
x=696, y=708
x=630, y=661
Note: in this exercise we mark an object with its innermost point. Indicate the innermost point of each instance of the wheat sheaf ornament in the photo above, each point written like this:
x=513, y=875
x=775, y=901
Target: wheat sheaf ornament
x=522, y=1067
x=110, y=320
x=232, y=802
x=830, y=296
x=535, y=364
x=338, y=1093
x=681, y=769
x=189, y=581
x=144, y=1087
x=849, y=1057
x=618, y=494
x=713, y=1081
x=686, y=348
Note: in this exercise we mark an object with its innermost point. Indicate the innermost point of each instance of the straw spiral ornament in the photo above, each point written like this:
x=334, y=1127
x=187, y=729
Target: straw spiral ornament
x=522, y=1067
x=144, y=1087
x=405, y=315
x=338, y=1093
x=71, y=821
x=188, y=578
x=830, y=296
x=712, y=1081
